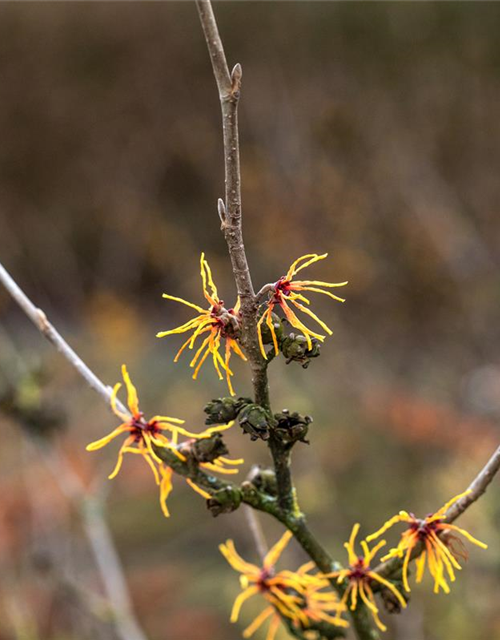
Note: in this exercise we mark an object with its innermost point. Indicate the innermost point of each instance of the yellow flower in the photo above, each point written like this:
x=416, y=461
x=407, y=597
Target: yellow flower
x=144, y=435
x=293, y=595
x=217, y=322
x=287, y=290
x=359, y=577
x=439, y=552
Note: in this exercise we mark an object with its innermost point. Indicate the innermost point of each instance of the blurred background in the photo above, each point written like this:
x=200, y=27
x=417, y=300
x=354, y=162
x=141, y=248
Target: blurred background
x=368, y=131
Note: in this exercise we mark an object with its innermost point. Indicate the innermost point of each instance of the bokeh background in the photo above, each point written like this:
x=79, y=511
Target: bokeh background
x=369, y=131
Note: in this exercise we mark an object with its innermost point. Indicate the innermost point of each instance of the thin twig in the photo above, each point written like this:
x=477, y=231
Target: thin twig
x=39, y=319
x=256, y=531
x=263, y=290
x=228, y=85
x=477, y=487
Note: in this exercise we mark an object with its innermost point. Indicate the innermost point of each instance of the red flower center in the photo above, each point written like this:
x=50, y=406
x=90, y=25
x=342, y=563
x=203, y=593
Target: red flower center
x=140, y=426
x=359, y=570
x=424, y=528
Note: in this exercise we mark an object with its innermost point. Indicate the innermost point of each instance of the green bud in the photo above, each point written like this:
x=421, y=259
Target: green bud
x=391, y=603
x=208, y=449
x=267, y=338
x=223, y=410
x=295, y=349
x=263, y=479
x=292, y=427
x=255, y=421
x=224, y=501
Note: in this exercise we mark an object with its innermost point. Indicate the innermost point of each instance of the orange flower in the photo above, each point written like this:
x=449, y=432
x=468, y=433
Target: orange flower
x=439, y=552
x=359, y=577
x=287, y=290
x=293, y=595
x=144, y=435
x=217, y=322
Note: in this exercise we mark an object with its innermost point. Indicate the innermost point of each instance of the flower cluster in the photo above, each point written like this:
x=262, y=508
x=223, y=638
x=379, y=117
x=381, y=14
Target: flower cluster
x=144, y=435
x=433, y=540
x=296, y=596
x=288, y=291
x=358, y=578
x=215, y=323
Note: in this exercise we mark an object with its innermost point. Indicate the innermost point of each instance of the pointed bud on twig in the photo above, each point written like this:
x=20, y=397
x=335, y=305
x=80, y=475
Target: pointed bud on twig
x=221, y=208
x=236, y=74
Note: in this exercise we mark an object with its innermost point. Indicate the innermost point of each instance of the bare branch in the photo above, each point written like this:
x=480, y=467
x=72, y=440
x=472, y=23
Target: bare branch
x=39, y=319
x=228, y=86
x=477, y=487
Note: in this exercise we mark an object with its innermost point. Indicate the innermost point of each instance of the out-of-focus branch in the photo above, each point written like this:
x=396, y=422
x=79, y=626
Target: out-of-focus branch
x=39, y=319
x=92, y=514
x=476, y=489
x=256, y=531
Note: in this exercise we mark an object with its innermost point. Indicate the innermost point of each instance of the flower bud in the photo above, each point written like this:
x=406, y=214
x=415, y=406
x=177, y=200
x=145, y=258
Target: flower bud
x=391, y=603
x=292, y=427
x=294, y=348
x=278, y=330
x=255, y=421
x=208, y=449
x=223, y=410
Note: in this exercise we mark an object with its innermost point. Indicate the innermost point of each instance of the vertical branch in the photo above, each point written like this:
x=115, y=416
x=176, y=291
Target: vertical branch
x=228, y=85
x=230, y=213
